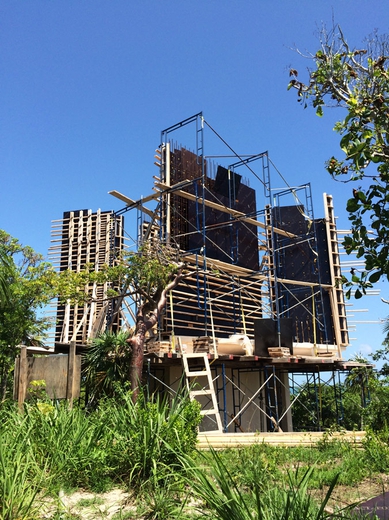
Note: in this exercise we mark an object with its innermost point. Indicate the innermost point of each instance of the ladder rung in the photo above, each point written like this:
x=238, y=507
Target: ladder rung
x=202, y=373
x=208, y=412
x=196, y=355
x=200, y=392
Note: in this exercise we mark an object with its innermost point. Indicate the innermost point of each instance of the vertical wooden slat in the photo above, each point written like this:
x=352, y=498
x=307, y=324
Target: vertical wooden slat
x=71, y=370
x=22, y=383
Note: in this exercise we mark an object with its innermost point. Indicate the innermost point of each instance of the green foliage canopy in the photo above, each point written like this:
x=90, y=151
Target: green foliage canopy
x=27, y=284
x=358, y=81
x=142, y=275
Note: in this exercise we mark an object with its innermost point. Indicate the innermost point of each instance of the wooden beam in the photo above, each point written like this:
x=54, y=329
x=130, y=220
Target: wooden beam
x=22, y=382
x=255, y=275
x=136, y=203
x=71, y=373
x=238, y=215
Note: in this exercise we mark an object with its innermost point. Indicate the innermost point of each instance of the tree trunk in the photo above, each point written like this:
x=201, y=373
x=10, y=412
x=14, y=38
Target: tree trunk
x=138, y=339
x=137, y=345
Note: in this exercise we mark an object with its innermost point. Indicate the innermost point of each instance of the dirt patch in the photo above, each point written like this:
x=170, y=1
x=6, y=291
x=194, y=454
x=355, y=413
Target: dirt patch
x=117, y=503
x=343, y=496
x=86, y=505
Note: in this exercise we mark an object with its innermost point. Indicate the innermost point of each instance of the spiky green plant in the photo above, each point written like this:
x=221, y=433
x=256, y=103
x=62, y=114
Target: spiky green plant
x=69, y=441
x=106, y=364
x=20, y=476
x=222, y=498
x=148, y=432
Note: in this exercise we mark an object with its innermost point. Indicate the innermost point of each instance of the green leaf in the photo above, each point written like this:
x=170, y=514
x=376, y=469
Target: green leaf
x=358, y=294
x=352, y=205
x=344, y=142
x=373, y=278
x=361, y=196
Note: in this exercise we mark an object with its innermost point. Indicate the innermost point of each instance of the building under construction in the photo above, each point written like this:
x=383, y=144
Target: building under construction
x=264, y=302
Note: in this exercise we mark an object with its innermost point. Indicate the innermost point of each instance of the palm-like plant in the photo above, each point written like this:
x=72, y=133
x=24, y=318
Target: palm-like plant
x=106, y=364
x=360, y=377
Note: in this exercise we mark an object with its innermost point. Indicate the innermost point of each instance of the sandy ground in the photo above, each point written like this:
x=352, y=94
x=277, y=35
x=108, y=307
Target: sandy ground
x=343, y=496
x=117, y=503
x=86, y=505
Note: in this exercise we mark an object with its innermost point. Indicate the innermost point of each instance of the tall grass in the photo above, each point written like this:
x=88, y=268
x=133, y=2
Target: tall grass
x=68, y=441
x=149, y=448
x=21, y=477
x=118, y=443
x=148, y=433
x=222, y=498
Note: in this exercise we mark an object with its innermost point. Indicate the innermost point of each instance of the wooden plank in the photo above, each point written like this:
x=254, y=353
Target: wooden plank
x=53, y=369
x=287, y=439
x=278, y=352
x=238, y=215
x=135, y=203
x=241, y=271
x=71, y=373
x=22, y=379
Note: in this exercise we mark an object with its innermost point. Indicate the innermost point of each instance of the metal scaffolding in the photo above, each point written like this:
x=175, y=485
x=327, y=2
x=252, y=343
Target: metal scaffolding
x=261, y=268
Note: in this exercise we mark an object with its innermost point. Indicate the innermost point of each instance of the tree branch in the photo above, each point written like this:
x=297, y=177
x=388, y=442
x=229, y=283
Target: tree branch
x=177, y=277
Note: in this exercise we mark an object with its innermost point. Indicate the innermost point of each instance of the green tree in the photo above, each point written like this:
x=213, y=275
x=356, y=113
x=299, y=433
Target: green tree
x=377, y=412
x=382, y=355
x=314, y=408
x=5, y=272
x=357, y=79
x=359, y=385
x=27, y=285
x=360, y=377
x=146, y=276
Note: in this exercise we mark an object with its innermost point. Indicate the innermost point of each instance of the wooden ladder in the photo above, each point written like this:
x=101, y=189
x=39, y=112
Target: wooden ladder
x=202, y=373
x=336, y=293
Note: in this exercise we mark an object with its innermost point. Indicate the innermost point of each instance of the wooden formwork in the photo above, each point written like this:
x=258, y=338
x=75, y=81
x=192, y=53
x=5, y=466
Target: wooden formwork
x=78, y=239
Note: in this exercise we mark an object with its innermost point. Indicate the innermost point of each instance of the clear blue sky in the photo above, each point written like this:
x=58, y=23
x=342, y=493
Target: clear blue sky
x=87, y=86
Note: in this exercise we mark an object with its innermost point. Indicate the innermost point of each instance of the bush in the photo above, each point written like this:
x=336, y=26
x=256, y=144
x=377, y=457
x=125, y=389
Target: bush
x=376, y=451
x=68, y=441
x=377, y=412
x=119, y=441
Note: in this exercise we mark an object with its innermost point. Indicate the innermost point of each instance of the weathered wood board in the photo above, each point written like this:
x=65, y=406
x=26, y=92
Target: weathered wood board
x=61, y=374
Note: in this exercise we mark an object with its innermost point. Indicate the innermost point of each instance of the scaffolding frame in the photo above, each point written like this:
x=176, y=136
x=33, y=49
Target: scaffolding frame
x=269, y=281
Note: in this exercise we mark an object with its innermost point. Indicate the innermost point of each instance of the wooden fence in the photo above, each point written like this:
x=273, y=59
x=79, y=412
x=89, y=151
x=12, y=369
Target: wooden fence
x=61, y=374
